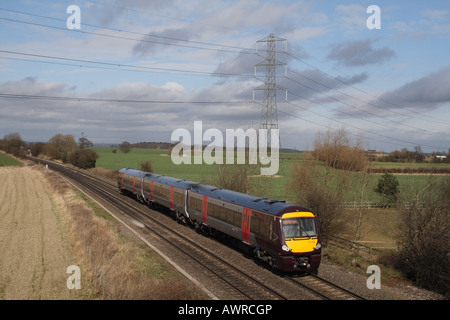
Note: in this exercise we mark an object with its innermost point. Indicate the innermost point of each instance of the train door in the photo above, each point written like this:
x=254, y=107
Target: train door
x=246, y=216
x=204, y=208
x=151, y=189
x=171, y=198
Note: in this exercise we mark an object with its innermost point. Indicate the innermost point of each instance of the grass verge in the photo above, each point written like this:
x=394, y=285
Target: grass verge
x=118, y=267
x=8, y=161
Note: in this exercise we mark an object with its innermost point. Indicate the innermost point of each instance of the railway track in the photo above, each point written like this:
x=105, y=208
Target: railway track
x=325, y=289
x=244, y=285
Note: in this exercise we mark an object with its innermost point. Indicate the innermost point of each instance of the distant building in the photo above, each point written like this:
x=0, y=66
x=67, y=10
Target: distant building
x=374, y=154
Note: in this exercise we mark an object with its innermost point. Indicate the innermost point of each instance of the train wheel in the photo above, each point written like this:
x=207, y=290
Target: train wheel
x=270, y=262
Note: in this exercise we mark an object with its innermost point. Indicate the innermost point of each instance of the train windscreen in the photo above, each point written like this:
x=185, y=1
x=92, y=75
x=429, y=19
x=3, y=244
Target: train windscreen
x=299, y=228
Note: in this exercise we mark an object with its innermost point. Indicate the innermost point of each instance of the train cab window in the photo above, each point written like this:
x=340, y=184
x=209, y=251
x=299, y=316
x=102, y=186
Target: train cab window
x=299, y=227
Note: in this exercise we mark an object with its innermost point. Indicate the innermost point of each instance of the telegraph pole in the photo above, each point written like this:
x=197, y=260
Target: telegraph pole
x=269, y=112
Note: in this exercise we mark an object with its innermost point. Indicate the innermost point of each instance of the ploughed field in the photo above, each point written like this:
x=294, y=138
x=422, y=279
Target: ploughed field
x=34, y=247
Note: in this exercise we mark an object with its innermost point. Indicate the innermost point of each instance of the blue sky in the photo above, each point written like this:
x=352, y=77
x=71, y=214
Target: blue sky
x=387, y=87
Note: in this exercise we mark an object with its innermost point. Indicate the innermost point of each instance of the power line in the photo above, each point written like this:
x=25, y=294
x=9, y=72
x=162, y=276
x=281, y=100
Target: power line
x=250, y=50
x=367, y=93
x=327, y=127
x=154, y=69
x=364, y=130
x=357, y=117
x=132, y=39
x=241, y=50
x=218, y=74
x=84, y=99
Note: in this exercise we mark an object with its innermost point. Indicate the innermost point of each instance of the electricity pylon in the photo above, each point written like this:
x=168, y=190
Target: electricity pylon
x=269, y=112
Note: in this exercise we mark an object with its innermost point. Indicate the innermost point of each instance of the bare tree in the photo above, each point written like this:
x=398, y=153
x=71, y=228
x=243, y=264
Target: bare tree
x=320, y=189
x=336, y=150
x=424, y=235
x=61, y=146
x=13, y=144
x=84, y=142
x=235, y=177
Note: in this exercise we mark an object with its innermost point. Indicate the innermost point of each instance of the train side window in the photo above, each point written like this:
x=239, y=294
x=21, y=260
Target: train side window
x=237, y=219
x=195, y=204
x=255, y=224
x=210, y=209
x=178, y=197
x=215, y=210
x=230, y=216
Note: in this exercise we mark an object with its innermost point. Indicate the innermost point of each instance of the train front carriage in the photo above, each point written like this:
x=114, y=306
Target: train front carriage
x=300, y=241
x=284, y=235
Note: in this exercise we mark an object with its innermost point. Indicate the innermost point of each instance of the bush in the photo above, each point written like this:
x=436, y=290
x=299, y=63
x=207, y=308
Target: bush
x=321, y=191
x=424, y=237
x=125, y=147
x=85, y=158
x=13, y=144
x=235, y=177
x=147, y=166
x=387, y=188
x=335, y=149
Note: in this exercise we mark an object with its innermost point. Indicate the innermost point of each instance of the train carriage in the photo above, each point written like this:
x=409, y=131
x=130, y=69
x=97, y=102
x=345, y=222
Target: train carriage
x=286, y=236
x=151, y=188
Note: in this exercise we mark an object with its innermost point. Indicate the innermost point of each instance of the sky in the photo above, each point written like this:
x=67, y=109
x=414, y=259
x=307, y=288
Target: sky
x=136, y=70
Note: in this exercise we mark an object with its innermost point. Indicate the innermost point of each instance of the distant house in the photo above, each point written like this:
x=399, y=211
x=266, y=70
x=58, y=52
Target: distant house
x=441, y=157
x=373, y=154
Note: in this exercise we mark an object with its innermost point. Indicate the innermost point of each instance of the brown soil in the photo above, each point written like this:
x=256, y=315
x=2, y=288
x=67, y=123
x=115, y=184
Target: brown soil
x=35, y=249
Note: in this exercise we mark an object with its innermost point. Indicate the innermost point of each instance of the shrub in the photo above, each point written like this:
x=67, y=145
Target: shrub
x=424, y=236
x=387, y=188
x=235, y=177
x=321, y=190
x=335, y=149
x=147, y=166
x=84, y=158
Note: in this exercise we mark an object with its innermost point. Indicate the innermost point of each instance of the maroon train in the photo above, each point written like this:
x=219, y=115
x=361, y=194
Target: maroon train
x=285, y=236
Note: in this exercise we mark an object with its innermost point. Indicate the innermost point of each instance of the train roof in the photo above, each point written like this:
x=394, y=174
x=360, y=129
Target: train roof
x=274, y=207
x=174, y=182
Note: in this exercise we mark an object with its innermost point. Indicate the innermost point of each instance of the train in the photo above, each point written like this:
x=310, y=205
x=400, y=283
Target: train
x=284, y=236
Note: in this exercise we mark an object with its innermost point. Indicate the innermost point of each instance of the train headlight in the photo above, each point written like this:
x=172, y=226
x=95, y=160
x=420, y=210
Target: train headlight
x=285, y=248
x=318, y=246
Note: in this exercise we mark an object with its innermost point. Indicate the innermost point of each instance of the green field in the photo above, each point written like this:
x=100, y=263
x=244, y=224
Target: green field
x=162, y=164
x=8, y=161
x=271, y=187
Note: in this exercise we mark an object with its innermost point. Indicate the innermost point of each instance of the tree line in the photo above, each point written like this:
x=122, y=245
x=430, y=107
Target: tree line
x=59, y=147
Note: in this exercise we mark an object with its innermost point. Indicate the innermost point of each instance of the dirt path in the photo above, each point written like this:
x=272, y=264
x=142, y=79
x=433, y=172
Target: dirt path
x=34, y=247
